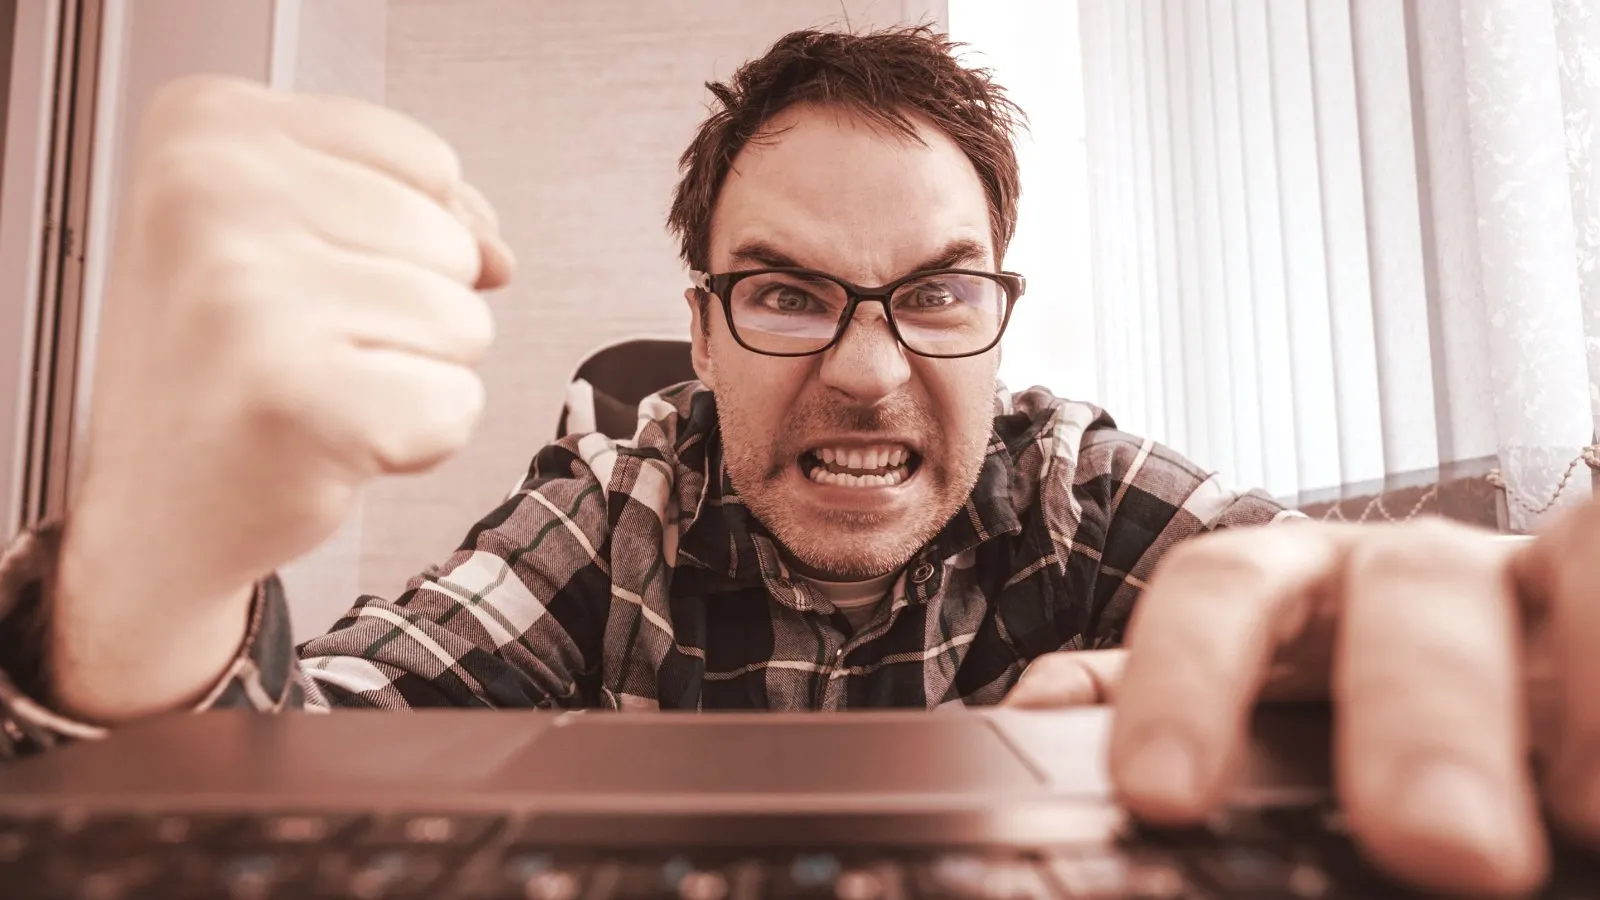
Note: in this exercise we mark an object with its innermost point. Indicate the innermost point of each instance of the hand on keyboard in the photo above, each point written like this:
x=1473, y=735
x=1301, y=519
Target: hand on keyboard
x=1439, y=647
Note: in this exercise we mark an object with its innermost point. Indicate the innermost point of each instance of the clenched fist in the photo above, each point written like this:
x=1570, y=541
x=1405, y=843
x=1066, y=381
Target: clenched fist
x=292, y=311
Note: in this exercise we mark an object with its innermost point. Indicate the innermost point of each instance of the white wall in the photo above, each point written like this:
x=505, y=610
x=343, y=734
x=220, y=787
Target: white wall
x=1033, y=48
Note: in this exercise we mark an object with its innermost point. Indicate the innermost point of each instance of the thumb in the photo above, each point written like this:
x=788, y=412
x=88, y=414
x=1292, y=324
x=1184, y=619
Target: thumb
x=1068, y=678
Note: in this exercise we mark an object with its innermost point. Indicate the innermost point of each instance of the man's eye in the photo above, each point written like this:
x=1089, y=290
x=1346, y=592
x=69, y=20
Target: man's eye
x=931, y=296
x=790, y=300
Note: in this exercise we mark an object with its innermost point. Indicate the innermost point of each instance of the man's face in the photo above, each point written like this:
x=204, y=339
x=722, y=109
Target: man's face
x=836, y=194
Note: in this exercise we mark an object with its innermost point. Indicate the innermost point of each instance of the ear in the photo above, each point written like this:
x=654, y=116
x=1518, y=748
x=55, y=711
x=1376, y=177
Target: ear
x=700, y=337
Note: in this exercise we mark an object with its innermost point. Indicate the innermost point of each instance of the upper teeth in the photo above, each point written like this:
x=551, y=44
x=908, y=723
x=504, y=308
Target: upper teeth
x=864, y=458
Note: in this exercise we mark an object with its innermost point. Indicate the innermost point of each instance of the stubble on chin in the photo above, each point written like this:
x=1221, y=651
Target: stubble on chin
x=840, y=544
x=851, y=545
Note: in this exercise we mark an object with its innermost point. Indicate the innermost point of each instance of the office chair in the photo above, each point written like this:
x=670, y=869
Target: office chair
x=606, y=390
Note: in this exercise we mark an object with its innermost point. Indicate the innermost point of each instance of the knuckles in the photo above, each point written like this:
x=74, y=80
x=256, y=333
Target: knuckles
x=200, y=185
x=1243, y=557
x=204, y=104
x=1424, y=549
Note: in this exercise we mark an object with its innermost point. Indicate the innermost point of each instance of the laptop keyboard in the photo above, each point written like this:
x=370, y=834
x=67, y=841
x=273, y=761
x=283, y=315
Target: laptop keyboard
x=1298, y=854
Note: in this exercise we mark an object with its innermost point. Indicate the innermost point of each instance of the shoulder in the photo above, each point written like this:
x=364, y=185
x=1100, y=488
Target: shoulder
x=1073, y=451
x=594, y=482
x=674, y=426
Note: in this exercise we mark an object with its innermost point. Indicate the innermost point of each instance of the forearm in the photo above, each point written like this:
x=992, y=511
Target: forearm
x=259, y=672
x=444, y=642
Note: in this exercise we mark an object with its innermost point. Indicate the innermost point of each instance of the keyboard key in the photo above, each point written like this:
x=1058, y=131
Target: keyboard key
x=1094, y=873
x=70, y=876
x=1326, y=862
x=878, y=882
x=814, y=870
x=831, y=876
x=460, y=830
x=1249, y=872
x=1305, y=822
x=246, y=875
x=677, y=877
x=532, y=874
x=289, y=829
x=391, y=874
x=963, y=875
x=133, y=830
x=18, y=838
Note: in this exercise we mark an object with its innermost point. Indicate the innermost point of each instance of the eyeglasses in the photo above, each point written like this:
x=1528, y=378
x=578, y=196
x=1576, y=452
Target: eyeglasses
x=942, y=313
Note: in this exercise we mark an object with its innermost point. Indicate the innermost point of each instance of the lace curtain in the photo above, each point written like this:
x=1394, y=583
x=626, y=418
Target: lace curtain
x=1328, y=241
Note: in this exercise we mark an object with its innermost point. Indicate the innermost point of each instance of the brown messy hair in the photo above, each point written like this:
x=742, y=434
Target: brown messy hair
x=887, y=77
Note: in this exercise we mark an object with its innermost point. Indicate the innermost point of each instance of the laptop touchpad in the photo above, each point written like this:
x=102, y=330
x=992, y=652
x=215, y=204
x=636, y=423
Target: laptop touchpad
x=671, y=754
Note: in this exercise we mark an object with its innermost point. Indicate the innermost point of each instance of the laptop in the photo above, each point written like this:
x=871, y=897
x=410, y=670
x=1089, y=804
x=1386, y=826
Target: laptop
x=714, y=806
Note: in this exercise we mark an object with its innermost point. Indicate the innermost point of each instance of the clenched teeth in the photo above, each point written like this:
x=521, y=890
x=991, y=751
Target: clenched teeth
x=863, y=458
x=881, y=465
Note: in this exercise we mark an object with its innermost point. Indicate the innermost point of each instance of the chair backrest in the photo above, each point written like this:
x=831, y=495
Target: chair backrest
x=609, y=384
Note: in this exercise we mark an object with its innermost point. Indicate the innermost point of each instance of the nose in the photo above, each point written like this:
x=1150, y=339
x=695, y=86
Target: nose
x=867, y=364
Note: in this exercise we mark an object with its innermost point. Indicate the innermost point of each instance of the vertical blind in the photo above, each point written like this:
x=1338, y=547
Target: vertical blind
x=1336, y=240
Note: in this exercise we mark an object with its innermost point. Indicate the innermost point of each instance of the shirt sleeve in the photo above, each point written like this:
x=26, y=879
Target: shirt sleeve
x=1139, y=499
x=513, y=618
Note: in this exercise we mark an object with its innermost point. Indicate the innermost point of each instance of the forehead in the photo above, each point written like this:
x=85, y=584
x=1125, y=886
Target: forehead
x=835, y=192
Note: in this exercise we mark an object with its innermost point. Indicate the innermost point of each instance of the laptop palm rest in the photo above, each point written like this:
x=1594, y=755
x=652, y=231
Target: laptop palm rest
x=775, y=757
x=962, y=778
x=536, y=759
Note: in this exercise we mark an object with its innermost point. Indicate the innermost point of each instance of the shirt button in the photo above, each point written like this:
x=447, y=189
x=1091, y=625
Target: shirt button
x=922, y=573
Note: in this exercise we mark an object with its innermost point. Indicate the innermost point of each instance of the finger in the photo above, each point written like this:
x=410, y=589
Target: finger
x=392, y=412
x=402, y=148
x=1071, y=678
x=474, y=208
x=499, y=264
x=386, y=303
x=360, y=209
x=373, y=137
x=1200, y=644
x=1560, y=576
x=1430, y=746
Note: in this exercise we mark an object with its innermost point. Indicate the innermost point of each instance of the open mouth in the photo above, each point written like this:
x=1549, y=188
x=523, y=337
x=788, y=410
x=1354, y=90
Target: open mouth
x=879, y=465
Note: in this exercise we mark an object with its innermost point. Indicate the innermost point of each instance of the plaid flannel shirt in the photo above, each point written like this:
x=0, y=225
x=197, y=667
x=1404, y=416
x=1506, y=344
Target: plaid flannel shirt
x=628, y=574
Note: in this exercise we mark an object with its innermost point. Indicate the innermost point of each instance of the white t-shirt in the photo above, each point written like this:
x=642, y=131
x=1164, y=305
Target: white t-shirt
x=857, y=600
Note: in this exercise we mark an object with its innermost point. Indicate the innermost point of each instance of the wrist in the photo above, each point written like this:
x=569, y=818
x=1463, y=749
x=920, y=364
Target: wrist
x=127, y=639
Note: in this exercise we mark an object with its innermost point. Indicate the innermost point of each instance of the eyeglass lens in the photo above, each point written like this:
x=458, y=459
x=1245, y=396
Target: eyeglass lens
x=943, y=314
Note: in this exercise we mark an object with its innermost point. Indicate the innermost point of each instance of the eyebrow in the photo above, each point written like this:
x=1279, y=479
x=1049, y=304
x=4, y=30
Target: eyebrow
x=957, y=253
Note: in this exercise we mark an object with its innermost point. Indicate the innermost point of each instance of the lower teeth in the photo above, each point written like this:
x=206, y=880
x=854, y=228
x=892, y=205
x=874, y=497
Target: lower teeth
x=889, y=478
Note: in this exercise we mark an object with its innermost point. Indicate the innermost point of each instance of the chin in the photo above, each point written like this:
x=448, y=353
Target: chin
x=840, y=561
x=855, y=512
x=848, y=533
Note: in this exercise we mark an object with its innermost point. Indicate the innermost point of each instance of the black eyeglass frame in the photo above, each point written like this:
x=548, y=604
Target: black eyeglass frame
x=721, y=286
